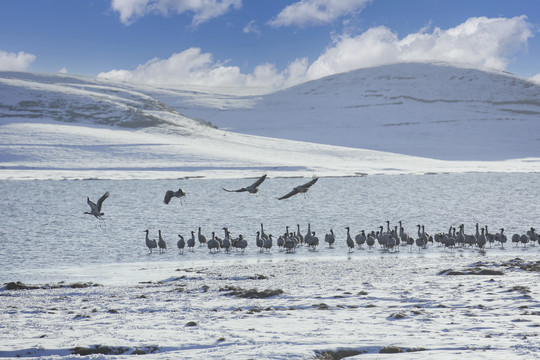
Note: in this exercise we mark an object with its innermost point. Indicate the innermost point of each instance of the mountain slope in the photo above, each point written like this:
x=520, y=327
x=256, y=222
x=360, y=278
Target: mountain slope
x=74, y=99
x=68, y=127
x=428, y=110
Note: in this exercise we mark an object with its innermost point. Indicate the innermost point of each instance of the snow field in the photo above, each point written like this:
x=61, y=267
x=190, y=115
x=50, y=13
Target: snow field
x=366, y=305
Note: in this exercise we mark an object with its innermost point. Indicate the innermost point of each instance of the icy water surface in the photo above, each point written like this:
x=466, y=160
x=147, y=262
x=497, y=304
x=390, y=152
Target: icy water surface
x=45, y=235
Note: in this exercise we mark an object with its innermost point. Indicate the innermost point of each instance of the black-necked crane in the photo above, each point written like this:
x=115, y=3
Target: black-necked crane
x=370, y=241
x=360, y=239
x=313, y=240
x=299, y=235
x=151, y=244
x=252, y=189
x=226, y=243
x=299, y=189
x=181, y=243
x=191, y=241
x=213, y=244
x=263, y=235
x=161, y=243
x=330, y=238
x=533, y=235
x=402, y=234
x=350, y=241
x=170, y=194
x=258, y=241
x=95, y=208
x=267, y=244
x=201, y=237
x=240, y=243
x=289, y=244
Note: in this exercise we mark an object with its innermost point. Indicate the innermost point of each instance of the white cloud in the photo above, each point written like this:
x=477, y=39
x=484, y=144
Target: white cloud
x=295, y=72
x=63, y=70
x=486, y=42
x=316, y=12
x=376, y=46
x=118, y=75
x=536, y=79
x=188, y=67
x=130, y=10
x=251, y=27
x=481, y=42
x=203, y=10
x=193, y=67
x=15, y=61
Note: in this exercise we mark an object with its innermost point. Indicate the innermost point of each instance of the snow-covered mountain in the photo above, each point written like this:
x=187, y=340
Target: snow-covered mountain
x=429, y=110
x=366, y=121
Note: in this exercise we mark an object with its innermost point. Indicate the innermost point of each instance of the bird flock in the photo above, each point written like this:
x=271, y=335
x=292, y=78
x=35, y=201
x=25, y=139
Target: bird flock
x=214, y=243
x=387, y=238
x=95, y=208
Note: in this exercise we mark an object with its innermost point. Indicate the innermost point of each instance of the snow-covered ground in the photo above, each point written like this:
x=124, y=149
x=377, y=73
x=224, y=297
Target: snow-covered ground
x=368, y=305
x=90, y=289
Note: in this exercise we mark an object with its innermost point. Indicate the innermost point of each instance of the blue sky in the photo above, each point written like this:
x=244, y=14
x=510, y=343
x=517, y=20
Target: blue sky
x=271, y=43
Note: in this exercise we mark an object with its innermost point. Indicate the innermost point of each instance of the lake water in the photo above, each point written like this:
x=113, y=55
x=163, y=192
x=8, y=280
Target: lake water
x=46, y=235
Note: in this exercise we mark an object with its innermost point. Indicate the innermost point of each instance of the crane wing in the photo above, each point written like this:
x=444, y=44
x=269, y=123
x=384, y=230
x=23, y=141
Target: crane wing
x=91, y=204
x=289, y=194
x=308, y=184
x=301, y=188
x=168, y=196
x=101, y=200
x=259, y=181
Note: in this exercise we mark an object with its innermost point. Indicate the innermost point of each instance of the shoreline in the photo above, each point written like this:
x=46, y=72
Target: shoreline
x=105, y=174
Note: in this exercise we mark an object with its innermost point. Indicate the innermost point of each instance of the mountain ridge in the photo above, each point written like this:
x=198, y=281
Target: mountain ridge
x=392, y=106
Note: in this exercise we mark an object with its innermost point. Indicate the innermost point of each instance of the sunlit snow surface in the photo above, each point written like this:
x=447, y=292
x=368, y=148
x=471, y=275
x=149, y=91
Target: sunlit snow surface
x=70, y=137
x=426, y=110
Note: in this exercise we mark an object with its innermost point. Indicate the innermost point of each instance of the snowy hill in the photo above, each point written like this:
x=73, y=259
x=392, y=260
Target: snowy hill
x=78, y=100
x=63, y=126
x=428, y=110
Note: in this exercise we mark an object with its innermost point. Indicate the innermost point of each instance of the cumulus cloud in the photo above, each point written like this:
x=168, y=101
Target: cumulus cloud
x=536, y=79
x=376, y=46
x=15, y=61
x=194, y=67
x=481, y=42
x=316, y=12
x=203, y=10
